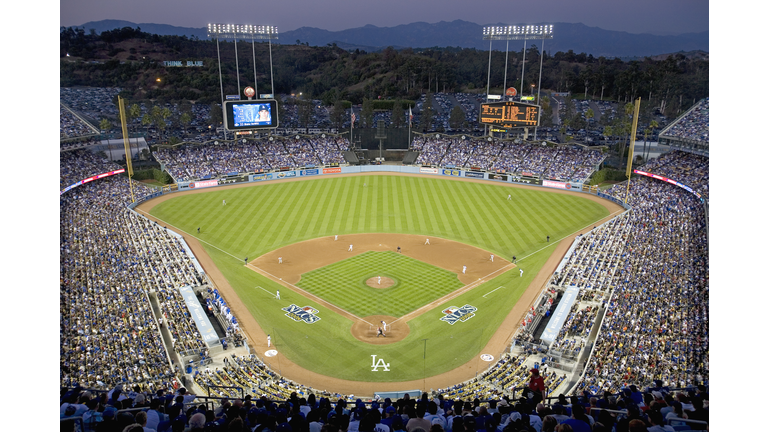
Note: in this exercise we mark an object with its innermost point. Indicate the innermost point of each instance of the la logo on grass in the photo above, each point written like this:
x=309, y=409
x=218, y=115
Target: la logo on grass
x=380, y=364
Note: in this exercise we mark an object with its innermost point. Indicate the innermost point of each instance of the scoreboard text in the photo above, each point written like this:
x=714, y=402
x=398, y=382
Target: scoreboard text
x=509, y=114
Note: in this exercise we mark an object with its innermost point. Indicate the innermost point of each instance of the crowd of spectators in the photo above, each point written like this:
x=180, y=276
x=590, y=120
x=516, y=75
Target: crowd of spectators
x=126, y=409
x=687, y=168
x=192, y=162
x=560, y=163
x=111, y=259
x=694, y=125
x=656, y=322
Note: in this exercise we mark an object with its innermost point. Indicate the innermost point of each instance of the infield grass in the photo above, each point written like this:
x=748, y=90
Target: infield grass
x=267, y=216
x=416, y=284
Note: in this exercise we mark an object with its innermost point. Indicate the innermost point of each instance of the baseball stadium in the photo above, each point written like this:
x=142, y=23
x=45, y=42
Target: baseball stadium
x=278, y=271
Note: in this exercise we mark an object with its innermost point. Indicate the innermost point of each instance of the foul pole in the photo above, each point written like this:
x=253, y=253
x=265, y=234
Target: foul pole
x=632, y=146
x=126, y=144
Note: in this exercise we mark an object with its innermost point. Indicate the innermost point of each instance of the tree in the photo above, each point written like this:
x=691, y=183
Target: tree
x=185, y=119
x=215, y=114
x=367, y=113
x=337, y=114
x=649, y=130
x=134, y=111
x=457, y=118
x=306, y=109
x=590, y=114
x=425, y=120
x=105, y=125
x=398, y=115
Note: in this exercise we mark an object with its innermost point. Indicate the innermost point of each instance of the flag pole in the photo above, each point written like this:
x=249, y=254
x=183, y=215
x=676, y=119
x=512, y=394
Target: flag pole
x=410, y=121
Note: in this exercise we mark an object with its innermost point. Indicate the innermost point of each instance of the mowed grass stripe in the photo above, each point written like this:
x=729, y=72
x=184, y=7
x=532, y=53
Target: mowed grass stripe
x=497, y=213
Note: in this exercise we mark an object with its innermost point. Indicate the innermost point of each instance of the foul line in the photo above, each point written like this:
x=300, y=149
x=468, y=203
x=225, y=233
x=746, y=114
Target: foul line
x=259, y=286
x=492, y=291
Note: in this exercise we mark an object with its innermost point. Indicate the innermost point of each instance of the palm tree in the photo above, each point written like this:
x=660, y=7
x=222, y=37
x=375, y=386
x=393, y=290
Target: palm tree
x=134, y=111
x=649, y=130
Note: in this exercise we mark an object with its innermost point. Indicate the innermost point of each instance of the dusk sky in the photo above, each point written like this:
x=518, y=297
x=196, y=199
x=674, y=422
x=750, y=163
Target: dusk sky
x=660, y=17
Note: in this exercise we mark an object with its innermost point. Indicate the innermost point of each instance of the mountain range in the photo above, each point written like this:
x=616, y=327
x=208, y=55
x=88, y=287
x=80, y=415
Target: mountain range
x=462, y=34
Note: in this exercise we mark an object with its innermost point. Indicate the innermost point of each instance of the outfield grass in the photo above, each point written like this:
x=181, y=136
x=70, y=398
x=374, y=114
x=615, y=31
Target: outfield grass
x=271, y=215
x=416, y=284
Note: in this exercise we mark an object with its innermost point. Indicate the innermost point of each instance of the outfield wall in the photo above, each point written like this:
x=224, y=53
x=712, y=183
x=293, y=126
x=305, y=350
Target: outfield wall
x=438, y=172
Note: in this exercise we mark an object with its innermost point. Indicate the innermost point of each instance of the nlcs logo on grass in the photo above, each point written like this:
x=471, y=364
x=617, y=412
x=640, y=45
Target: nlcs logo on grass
x=306, y=313
x=454, y=314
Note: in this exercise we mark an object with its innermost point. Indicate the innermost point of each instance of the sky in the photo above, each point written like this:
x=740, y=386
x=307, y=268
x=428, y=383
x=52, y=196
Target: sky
x=661, y=17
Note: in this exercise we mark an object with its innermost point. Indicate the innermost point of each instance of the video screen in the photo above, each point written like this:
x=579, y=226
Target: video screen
x=255, y=114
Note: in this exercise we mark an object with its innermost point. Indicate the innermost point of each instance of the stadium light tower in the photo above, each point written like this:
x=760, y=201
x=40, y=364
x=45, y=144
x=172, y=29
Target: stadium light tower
x=518, y=32
x=243, y=31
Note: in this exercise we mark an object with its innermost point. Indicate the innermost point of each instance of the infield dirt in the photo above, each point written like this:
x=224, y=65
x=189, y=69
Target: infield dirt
x=496, y=345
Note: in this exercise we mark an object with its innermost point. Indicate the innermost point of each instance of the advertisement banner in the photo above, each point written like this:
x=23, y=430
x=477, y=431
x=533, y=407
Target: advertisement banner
x=556, y=184
x=501, y=177
x=285, y=174
x=309, y=172
x=450, y=172
x=331, y=170
x=471, y=174
x=428, y=170
x=203, y=184
x=260, y=177
x=525, y=180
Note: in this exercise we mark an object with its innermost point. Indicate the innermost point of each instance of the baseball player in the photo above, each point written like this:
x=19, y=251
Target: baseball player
x=464, y=270
x=384, y=325
x=350, y=248
x=246, y=260
x=514, y=259
x=277, y=295
x=426, y=242
x=521, y=272
x=198, y=230
x=509, y=197
x=398, y=249
x=269, y=341
x=547, y=239
x=380, y=284
x=223, y=202
x=280, y=260
x=336, y=237
x=380, y=332
x=491, y=257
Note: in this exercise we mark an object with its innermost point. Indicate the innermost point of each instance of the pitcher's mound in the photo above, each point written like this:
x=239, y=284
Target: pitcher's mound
x=379, y=282
x=367, y=331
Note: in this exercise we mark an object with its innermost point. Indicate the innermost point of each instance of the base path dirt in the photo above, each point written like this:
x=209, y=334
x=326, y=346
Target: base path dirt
x=257, y=338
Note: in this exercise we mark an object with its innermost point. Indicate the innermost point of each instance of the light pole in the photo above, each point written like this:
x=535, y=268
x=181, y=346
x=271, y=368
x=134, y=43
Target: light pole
x=242, y=31
x=518, y=32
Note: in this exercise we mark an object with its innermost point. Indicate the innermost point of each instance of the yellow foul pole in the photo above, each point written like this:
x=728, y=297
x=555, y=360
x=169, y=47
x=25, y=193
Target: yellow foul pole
x=632, y=145
x=127, y=145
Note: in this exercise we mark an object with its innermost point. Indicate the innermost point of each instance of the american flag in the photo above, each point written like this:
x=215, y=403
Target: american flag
x=353, y=119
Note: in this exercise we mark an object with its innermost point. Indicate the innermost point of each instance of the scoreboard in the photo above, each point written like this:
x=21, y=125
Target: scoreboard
x=242, y=115
x=509, y=114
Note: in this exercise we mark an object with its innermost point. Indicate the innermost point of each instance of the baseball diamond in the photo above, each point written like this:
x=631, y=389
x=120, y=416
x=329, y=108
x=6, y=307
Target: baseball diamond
x=298, y=220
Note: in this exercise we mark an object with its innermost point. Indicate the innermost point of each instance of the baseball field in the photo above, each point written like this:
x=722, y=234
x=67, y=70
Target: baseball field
x=443, y=302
